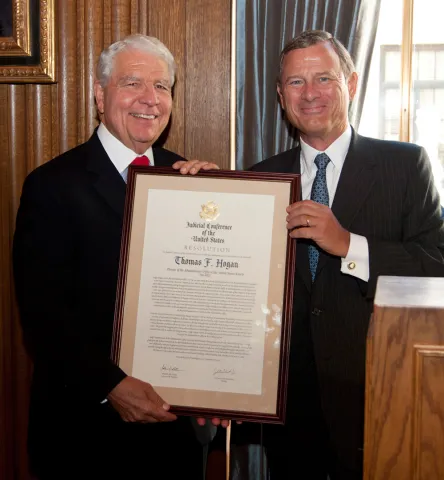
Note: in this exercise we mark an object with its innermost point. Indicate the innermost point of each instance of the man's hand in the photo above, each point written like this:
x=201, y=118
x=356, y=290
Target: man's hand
x=136, y=401
x=308, y=219
x=193, y=166
x=216, y=422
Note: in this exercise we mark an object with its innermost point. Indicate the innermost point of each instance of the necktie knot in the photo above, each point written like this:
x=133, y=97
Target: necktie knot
x=321, y=161
x=143, y=160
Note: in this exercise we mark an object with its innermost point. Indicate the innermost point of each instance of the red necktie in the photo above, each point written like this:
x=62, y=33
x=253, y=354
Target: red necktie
x=141, y=161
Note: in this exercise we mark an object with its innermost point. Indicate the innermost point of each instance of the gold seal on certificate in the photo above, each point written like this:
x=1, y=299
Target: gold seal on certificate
x=205, y=291
x=210, y=211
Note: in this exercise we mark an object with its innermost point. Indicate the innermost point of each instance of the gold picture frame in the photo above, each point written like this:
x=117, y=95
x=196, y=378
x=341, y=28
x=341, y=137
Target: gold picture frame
x=27, y=55
x=18, y=44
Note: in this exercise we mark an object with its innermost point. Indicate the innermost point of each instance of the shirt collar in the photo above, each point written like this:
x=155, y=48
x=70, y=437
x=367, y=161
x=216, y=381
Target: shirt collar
x=120, y=155
x=337, y=152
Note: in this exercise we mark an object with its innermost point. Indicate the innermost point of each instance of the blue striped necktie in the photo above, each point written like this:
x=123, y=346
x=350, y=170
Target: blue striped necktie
x=319, y=194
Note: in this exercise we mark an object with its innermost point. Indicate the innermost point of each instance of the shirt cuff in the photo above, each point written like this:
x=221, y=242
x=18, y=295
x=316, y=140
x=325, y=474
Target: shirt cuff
x=356, y=263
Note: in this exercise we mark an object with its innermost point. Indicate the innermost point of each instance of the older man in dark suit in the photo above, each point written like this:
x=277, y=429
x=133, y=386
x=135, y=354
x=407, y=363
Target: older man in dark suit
x=368, y=208
x=87, y=418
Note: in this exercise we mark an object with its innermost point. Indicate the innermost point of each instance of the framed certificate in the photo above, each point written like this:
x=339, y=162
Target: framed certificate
x=204, y=298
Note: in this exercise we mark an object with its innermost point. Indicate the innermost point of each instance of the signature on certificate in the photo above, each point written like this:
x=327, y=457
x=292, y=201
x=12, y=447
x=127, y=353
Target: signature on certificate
x=224, y=371
x=170, y=368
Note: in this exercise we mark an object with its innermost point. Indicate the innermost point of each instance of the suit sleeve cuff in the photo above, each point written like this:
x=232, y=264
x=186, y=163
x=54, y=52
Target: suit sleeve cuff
x=356, y=263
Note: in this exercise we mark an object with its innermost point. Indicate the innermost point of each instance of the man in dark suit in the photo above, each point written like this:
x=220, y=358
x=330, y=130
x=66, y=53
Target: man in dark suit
x=368, y=208
x=88, y=419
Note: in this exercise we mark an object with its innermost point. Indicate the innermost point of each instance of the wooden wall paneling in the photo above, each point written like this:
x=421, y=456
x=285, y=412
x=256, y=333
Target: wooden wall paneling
x=6, y=398
x=68, y=86
x=107, y=24
x=120, y=19
x=93, y=26
x=93, y=39
x=24, y=145
x=30, y=142
x=139, y=16
x=41, y=96
x=55, y=116
x=207, y=95
x=20, y=131
x=166, y=21
x=81, y=71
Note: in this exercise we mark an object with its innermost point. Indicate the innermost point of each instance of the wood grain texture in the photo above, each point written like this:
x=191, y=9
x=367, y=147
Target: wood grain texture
x=41, y=121
x=170, y=29
x=404, y=421
x=93, y=46
x=38, y=122
x=55, y=143
x=120, y=19
x=207, y=91
x=21, y=137
x=67, y=88
x=428, y=424
x=22, y=153
x=81, y=73
x=139, y=16
x=6, y=387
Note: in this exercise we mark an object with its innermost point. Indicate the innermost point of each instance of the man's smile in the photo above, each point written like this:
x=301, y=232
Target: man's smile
x=312, y=110
x=145, y=116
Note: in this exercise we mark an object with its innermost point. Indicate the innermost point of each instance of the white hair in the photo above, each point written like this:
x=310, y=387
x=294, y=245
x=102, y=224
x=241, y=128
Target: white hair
x=139, y=42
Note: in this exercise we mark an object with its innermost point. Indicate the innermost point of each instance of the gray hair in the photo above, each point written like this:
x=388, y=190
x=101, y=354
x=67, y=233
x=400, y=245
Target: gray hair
x=314, y=37
x=139, y=42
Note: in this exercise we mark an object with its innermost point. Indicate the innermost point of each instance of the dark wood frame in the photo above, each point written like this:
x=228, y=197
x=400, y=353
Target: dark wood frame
x=294, y=181
x=28, y=56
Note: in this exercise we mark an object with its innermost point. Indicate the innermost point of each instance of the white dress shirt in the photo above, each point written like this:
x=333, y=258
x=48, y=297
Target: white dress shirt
x=356, y=262
x=119, y=154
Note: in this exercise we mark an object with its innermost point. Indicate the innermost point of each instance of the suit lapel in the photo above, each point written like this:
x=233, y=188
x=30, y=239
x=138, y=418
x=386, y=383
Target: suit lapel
x=108, y=182
x=164, y=158
x=356, y=180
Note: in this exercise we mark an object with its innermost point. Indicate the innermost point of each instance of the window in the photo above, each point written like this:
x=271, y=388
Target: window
x=385, y=97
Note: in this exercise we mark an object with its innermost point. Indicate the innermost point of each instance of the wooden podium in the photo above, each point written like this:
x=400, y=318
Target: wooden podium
x=404, y=412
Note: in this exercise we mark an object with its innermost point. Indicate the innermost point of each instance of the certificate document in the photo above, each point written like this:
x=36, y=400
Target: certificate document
x=204, y=290
x=201, y=315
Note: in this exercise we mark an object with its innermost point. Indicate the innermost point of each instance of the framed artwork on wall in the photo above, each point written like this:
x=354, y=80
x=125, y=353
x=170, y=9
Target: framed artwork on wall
x=27, y=41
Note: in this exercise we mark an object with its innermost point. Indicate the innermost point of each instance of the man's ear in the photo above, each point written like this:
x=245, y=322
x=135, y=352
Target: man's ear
x=281, y=97
x=352, y=85
x=99, y=94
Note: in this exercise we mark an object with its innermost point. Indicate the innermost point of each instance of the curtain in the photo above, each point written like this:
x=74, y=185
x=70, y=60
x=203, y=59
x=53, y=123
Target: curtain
x=263, y=28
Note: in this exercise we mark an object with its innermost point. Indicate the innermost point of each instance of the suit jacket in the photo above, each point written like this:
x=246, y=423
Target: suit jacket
x=385, y=193
x=66, y=255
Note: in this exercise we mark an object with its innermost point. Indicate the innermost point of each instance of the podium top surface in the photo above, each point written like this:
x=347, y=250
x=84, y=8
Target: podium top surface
x=422, y=292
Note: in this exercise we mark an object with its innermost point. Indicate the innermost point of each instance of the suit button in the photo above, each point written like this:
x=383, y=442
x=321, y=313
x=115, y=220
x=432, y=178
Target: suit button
x=316, y=312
